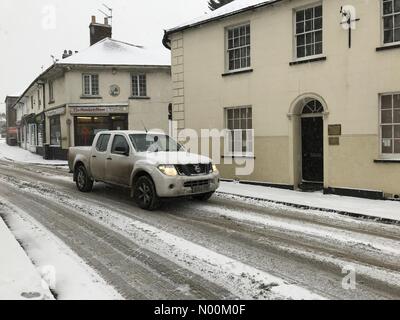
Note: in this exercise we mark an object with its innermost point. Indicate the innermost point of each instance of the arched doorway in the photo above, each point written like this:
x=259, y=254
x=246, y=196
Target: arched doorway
x=312, y=144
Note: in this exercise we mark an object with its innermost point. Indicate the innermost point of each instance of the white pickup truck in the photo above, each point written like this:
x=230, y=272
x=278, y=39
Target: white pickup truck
x=152, y=165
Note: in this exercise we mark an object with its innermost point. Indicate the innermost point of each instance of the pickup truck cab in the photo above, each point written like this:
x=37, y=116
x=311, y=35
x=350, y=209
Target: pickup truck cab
x=151, y=164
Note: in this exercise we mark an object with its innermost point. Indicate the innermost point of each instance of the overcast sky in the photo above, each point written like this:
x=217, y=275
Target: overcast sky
x=32, y=31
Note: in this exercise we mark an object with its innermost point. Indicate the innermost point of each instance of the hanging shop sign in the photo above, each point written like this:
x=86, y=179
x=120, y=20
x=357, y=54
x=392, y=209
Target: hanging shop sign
x=39, y=118
x=56, y=112
x=98, y=110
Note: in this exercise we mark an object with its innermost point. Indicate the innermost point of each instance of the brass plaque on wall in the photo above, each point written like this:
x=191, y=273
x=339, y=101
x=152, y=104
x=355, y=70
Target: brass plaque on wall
x=334, y=141
x=335, y=130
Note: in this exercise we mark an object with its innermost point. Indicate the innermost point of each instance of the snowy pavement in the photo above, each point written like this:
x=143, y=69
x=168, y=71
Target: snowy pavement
x=19, y=279
x=379, y=209
x=17, y=154
x=228, y=248
x=68, y=276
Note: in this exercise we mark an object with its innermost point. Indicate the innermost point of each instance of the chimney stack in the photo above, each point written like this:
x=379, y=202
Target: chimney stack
x=99, y=31
x=67, y=54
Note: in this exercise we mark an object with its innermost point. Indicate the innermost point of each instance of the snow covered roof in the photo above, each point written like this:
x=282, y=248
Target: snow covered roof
x=113, y=52
x=232, y=8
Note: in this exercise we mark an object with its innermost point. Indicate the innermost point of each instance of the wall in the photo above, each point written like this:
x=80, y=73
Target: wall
x=349, y=81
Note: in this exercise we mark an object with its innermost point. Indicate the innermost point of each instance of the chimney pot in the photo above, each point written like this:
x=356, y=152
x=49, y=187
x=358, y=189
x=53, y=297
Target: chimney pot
x=99, y=31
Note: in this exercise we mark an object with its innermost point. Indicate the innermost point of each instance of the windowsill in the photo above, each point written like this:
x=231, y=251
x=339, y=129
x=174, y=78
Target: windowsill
x=238, y=156
x=387, y=160
x=139, y=98
x=91, y=97
x=309, y=60
x=233, y=72
x=388, y=47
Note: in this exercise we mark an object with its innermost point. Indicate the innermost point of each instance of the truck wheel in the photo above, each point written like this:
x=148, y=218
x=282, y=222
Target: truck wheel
x=145, y=194
x=203, y=197
x=83, y=181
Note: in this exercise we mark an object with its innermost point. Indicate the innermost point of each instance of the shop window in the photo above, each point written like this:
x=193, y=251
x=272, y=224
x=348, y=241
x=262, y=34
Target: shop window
x=86, y=127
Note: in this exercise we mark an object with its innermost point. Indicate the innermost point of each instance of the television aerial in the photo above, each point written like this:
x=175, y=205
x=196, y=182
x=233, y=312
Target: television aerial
x=108, y=15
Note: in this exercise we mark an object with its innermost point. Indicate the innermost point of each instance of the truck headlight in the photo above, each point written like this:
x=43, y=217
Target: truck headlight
x=214, y=168
x=168, y=170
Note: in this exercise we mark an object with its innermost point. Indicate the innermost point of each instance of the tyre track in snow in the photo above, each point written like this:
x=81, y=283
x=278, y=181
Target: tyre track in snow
x=135, y=272
x=239, y=240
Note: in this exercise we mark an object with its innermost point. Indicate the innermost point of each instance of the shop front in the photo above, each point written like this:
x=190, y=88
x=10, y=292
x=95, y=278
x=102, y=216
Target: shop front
x=88, y=121
x=40, y=122
x=53, y=149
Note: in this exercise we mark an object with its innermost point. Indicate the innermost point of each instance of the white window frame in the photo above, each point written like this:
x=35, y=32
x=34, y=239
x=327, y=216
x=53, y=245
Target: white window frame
x=90, y=75
x=227, y=50
x=386, y=156
x=238, y=136
x=51, y=91
x=313, y=5
x=137, y=76
x=383, y=27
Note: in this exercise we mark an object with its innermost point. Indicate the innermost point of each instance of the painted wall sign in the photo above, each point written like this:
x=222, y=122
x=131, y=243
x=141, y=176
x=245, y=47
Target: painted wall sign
x=56, y=112
x=98, y=110
x=335, y=130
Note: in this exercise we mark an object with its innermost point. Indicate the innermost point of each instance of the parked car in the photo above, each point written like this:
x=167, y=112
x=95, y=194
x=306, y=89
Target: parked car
x=153, y=165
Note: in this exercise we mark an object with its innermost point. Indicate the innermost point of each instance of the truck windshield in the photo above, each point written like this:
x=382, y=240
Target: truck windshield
x=154, y=143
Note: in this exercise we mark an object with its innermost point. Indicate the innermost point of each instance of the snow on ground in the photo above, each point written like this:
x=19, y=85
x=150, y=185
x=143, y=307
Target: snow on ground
x=73, y=278
x=19, y=279
x=17, y=154
x=374, y=208
x=242, y=280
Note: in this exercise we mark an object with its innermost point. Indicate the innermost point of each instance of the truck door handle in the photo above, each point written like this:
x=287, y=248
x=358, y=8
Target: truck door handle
x=94, y=156
x=109, y=158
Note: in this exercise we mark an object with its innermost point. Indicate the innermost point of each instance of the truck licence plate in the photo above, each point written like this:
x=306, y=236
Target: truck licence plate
x=201, y=189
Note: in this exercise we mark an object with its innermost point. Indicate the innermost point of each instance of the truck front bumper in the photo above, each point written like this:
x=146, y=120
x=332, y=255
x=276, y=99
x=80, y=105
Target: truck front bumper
x=181, y=186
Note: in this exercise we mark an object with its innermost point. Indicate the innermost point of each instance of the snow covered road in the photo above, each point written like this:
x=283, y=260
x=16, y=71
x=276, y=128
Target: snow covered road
x=228, y=248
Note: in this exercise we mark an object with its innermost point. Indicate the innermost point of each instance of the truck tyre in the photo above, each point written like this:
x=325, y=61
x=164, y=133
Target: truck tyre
x=203, y=197
x=145, y=194
x=83, y=182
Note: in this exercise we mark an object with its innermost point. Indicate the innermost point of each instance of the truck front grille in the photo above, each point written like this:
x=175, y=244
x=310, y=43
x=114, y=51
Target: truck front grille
x=193, y=169
x=191, y=184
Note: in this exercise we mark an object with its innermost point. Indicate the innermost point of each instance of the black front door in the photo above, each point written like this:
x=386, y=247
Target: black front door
x=313, y=149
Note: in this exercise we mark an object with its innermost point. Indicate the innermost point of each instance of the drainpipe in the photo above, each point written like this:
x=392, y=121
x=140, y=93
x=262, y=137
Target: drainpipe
x=44, y=115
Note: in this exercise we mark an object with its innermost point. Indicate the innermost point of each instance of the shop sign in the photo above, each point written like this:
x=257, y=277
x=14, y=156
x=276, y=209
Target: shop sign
x=56, y=112
x=98, y=110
